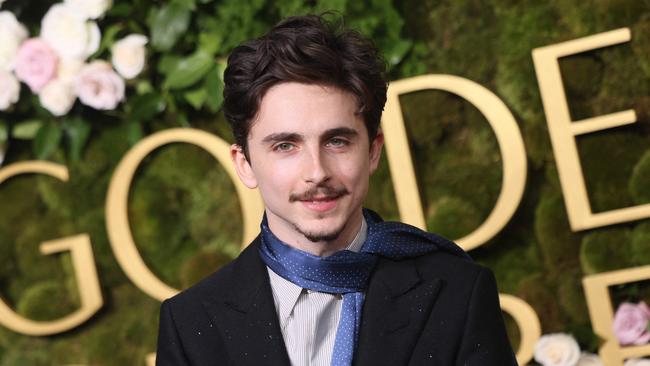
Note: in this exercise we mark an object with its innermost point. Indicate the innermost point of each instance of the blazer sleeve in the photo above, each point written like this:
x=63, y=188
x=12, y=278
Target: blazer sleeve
x=170, y=350
x=485, y=341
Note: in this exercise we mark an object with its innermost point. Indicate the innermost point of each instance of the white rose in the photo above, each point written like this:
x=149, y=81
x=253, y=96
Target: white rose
x=68, y=32
x=589, y=359
x=637, y=362
x=58, y=97
x=557, y=349
x=129, y=55
x=100, y=87
x=69, y=69
x=92, y=9
x=95, y=38
x=10, y=90
x=12, y=34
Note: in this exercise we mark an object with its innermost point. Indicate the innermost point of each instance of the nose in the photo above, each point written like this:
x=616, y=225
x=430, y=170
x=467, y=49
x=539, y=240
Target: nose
x=315, y=166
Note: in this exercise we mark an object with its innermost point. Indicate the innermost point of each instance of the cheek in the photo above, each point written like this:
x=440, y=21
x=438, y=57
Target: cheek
x=274, y=180
x=355, y=176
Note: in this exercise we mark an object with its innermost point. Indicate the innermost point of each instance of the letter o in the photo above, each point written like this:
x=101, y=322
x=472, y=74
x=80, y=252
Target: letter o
x=117, y=222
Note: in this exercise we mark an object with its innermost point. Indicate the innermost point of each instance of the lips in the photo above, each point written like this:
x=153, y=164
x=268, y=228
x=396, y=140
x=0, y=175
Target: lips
x=320, y=199
x=323, y=204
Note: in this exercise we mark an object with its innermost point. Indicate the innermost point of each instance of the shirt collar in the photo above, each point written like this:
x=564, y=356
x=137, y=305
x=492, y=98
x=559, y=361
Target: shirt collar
x=285, y=296
x=360, y=238
x=286, y=293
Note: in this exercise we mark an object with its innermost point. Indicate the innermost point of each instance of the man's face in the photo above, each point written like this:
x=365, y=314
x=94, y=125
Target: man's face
x=311, y=159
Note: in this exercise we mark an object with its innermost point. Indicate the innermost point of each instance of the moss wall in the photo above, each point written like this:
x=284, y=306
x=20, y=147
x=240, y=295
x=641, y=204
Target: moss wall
x=186, y=219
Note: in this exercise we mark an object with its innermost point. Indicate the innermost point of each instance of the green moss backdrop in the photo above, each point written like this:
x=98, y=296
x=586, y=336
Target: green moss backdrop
x=183, y=209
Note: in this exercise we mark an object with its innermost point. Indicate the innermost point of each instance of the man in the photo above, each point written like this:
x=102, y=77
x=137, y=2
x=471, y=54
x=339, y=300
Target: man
x=326, y=282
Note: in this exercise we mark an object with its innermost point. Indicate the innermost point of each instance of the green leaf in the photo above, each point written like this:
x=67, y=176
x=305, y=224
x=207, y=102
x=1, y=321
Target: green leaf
x=212, y=33
x=3, y=132
x=331, y=5
x=47, y=140
x=133, y=132
x=144, y=107
x=196, y=97
x=108, y=38
x=26, y=130
x=291, y=7
x=214, y=89
x=77, y=132
x=209, y=42
x=143, y=87
x=221, y=67
x=189, y=4
x=182, y=120
x=188, y=71
x=167, y=24
x=397, y=50
x=168, y=63
x=120, y=10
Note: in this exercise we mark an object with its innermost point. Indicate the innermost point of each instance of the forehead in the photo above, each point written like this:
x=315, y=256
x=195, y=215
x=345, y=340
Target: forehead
x=307, y=109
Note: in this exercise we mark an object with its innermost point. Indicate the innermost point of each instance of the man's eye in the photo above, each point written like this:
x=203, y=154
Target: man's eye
x=283, y=146
x=336, y=142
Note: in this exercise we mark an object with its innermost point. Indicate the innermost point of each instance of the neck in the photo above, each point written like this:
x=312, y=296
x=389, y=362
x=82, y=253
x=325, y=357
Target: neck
x=323, y=248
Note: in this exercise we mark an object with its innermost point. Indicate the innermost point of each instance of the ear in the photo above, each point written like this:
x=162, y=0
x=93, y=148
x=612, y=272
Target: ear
x=243, y=166
x=375, y=150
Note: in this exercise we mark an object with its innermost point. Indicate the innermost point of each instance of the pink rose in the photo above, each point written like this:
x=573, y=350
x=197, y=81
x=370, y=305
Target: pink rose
x=631, y=323
x=100, y=87
x=36, y=63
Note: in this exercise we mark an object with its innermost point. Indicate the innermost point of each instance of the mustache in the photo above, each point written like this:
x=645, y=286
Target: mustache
x=318, y=191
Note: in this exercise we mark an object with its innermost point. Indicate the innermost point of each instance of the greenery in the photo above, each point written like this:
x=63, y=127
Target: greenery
x=182, y=209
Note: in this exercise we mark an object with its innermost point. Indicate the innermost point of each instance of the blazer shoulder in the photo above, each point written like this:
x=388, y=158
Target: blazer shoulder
x=445, y=265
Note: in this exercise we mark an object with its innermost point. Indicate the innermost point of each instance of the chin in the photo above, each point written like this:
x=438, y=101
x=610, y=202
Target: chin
x=321, y=237
x=316, y=235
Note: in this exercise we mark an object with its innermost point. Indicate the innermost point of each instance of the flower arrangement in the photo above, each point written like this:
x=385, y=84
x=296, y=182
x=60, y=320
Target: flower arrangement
x=562, y=349
x=54, y=64
x=87, y=65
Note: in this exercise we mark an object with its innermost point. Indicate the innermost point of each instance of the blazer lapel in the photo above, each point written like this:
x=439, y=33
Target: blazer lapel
x=247, y=318
x=398, y=303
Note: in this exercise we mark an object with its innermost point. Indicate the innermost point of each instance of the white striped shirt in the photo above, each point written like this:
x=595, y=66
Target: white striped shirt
x=309, y=319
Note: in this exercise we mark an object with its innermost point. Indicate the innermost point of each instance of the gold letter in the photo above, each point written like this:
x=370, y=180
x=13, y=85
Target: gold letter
x=82, y=262
x=508, y=136
x=529, y=327
x=602, y=314
x=117, y=221
x=563, y=130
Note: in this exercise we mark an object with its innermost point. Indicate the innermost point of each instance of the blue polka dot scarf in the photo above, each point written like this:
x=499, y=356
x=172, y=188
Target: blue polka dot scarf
x=346, y=272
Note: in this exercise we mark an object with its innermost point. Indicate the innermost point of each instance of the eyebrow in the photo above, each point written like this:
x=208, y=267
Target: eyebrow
x=282, y=136
x=340, y=131
x=292, y=136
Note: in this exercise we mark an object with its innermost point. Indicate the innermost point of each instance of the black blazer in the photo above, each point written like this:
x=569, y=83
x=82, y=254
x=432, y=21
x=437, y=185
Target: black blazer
x=437, y=309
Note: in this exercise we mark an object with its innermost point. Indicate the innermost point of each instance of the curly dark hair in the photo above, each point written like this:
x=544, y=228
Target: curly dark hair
x=306, y=49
